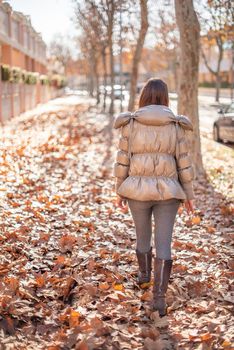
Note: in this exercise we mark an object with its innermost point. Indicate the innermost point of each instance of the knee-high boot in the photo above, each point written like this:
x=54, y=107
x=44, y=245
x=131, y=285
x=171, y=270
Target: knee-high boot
x=145, y=266
x=162, y=271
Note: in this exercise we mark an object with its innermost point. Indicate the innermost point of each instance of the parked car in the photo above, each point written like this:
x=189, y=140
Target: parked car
x=223, y=128
x=117, y=91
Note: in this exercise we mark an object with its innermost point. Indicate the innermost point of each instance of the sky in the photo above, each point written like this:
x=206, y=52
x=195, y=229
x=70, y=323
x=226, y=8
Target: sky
x=47, y=16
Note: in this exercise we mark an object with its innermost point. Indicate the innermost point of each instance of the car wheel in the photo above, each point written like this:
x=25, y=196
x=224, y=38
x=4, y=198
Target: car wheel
x=216, y=133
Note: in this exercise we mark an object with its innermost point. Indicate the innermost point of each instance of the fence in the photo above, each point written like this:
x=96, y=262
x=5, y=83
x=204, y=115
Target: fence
x=18, y=98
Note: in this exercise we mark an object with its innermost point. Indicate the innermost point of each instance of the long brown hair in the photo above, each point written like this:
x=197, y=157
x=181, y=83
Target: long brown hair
x=155, y=92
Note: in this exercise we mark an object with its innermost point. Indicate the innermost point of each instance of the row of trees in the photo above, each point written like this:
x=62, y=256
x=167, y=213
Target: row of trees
x=106, y=29
x=110, y=31
x=109, y=27
x=217, y=19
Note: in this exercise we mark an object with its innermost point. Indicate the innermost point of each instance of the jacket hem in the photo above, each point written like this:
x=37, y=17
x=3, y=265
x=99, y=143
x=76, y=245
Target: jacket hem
x=151, y=188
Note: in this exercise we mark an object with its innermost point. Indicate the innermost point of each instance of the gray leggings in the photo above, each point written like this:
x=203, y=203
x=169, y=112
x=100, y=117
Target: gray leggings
x=164, y=213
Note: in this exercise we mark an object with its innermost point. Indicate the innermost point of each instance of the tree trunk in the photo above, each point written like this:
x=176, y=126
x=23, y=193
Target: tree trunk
x=95, y=73
x=216, y=73
x=110, y=42
x=91, y=84
x=189, y=29
x=91, y=75
x=218, y=77
x=218, y=85
x=137, y=53
x=112, y=77
x=175, y=69
x=97, y=88
x=104, y=76
x=232, y=73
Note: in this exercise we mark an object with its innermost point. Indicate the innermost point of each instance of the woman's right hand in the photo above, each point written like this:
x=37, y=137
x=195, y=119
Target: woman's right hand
x=189, y=205
x=121, y=202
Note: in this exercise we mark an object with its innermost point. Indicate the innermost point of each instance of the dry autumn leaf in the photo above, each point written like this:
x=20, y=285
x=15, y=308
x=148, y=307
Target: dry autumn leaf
x=118, y=286
x=74, y=319
x=66, y=243
x=196, y=220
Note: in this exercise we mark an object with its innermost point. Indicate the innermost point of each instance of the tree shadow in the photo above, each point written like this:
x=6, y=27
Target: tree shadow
x=202, y=266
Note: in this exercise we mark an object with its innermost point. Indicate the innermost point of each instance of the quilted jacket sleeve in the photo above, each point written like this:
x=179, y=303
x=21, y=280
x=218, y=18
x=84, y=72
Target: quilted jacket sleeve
x=184, y=163
x=121, y=165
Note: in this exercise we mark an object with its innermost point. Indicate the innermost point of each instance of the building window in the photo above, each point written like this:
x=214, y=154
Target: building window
x=29, y=42
x=15, y=30
x=25, y=38
x=4, y=22
x=33, y=45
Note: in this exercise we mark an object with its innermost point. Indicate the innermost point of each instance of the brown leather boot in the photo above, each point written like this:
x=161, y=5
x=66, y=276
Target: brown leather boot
x=162, y=271
x=145, y=266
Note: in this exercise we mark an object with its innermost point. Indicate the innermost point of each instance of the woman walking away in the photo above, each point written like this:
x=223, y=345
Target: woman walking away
x=154, y=175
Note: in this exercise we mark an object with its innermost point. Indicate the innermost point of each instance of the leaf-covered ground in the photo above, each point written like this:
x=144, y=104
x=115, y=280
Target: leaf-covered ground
x=67, y=258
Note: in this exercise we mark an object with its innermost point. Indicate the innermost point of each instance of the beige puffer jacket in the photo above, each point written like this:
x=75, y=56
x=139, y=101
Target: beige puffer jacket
x=153, y=160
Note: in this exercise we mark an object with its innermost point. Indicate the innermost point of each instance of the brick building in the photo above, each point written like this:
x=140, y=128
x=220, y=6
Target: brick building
x=22, y=49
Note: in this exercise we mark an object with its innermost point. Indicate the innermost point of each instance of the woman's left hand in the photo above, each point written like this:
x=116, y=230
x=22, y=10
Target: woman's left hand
x=189, y=206
x=121, y=202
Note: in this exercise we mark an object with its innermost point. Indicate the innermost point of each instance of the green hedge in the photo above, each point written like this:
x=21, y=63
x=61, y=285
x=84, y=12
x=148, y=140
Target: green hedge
x=23, y=75
x=5, y=72
x=11, y=74
x=58, y=81
x=16, y=75
x=44, y=80
x=30, y=78
x=224, y=84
